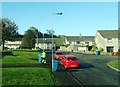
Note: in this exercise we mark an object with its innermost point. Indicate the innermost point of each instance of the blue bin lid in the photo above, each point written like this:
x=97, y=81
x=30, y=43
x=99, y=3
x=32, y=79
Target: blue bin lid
x=55, y=61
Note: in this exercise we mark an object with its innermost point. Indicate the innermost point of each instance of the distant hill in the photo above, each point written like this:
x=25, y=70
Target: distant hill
x=58, y=41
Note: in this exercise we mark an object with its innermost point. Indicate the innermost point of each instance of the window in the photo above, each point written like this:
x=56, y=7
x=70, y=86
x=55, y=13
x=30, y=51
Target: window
x=109, y=40
x=59, y=53
x=78, y=42
x=72, y=59
x=86, y=42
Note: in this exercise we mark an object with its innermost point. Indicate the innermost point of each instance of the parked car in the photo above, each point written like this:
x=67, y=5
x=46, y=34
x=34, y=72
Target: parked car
x=58, y=55
x=70, y=61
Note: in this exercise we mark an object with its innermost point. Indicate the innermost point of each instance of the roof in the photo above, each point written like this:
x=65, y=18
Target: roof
x=109, y=33
x=15, y=39
x=45, y=41
x=80, y=38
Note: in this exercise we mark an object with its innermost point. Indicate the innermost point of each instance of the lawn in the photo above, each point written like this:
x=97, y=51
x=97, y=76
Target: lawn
x=20, y=58
x=0, y=77
x=27, y=76
x=26, y=54
x=115, y=64
x=28, y=72
x=13, y=61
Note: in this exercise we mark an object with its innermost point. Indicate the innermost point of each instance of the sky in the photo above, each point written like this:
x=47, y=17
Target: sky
x=78, y=17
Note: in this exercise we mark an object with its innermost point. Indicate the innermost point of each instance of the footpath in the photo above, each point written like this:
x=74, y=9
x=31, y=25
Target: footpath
x=61, y=74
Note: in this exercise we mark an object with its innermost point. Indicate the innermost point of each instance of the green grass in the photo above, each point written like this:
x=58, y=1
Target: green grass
x=27, y=76
x=26, y=54
x=0, y=77
x=18, y=61
x=115, y=64
x=24, y=75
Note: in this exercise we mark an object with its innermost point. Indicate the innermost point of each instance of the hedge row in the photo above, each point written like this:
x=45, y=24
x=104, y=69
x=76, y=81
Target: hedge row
x=4, y=53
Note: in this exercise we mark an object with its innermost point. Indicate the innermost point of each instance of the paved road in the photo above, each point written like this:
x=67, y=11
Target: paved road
x=94, y=70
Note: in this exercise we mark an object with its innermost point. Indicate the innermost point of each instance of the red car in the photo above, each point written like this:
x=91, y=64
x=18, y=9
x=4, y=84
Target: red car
x=59, y=55
x=70, y=61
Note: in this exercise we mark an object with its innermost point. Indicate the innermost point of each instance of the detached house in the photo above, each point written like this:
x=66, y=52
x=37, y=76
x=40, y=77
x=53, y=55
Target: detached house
x=108, y=39
x=78, y=43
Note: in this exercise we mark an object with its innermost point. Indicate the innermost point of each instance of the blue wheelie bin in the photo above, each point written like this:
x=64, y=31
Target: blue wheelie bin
x=40, y=58
x=97, y=52
x=55, y=65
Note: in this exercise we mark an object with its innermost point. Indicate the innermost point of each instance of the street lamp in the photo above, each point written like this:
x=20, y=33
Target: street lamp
x=43, y=41
x=52, y=40
x=37, y=39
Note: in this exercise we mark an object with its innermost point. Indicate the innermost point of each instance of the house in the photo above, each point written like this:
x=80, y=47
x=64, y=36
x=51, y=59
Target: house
x=108, y=39
x=78, y=43
x=83, y=40
x=46, y=44
x=16, y=43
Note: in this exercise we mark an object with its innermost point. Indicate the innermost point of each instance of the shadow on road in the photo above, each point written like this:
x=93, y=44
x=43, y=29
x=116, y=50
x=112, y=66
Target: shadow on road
x=85, y=65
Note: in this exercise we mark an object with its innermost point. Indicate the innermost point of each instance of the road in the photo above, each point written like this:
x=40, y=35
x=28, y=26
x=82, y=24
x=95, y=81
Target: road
x=94, y=70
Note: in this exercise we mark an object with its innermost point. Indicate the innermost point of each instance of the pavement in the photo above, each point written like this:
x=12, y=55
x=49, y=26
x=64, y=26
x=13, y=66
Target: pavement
x=64, y=77
x=61, y=74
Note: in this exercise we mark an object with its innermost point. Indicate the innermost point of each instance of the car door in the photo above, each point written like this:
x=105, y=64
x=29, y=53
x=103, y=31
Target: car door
x=63, y=61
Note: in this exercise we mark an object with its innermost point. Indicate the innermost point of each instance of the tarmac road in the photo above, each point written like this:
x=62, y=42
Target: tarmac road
x=94, y=70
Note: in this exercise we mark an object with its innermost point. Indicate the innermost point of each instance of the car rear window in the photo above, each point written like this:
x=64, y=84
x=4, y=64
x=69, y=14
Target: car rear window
x=59, y=53
x=72, y=58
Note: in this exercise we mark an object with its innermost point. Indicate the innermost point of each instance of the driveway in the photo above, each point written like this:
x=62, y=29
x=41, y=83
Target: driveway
x=94, y=70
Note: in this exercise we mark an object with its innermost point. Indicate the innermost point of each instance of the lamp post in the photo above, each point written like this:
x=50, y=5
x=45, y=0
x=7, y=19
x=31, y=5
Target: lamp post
x=52, y=40
x=43, y=42
x=37, y=39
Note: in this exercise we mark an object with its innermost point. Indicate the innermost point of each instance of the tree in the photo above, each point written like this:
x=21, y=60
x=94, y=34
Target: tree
x=8, y=29
x=34, y=30
x=29, y=37
x=28, y=40
x=50, y=32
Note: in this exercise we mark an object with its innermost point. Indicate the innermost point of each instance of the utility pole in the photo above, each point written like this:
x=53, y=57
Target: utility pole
x=52, y=40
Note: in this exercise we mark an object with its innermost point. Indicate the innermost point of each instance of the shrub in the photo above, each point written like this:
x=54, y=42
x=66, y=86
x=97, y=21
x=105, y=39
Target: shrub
x=101, y=49
x=94, y=48
x=4, y=53
x=119, y=50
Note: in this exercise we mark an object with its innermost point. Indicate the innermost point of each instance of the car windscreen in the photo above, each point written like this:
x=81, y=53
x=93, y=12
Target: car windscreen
x=72, y=58
x=59, y=53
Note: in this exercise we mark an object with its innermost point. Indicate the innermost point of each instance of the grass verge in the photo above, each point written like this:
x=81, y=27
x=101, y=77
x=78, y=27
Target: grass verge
x=13, y=61
x=27, y=76
x=115, y=64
